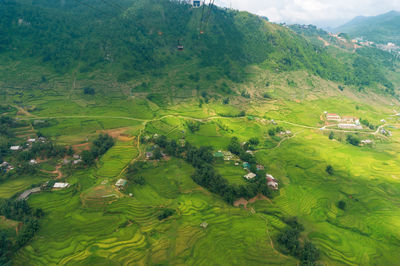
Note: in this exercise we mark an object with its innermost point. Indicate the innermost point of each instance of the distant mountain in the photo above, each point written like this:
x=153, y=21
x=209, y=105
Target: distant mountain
x=381, y=29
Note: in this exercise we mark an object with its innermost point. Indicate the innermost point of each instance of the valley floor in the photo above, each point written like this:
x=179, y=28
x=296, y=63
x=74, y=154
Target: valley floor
x=93, y=223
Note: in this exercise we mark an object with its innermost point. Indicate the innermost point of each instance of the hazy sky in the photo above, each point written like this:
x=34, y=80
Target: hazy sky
x=319, y=12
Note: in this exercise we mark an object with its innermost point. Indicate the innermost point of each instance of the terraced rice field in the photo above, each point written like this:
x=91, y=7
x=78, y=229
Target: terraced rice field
x=116, y=159
x=93, y=224
x=127, y=230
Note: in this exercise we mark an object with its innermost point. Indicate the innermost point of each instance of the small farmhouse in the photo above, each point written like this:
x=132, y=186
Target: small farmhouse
x=120, y=183
x=333, y=117
x=59, y=185
x=250, y=176
x=271, y=182
x=25, y=195
x=349, y=126
x=260, y=167
x=349, y=119
x=366, y=141
x=15, y=148
x=204, y=225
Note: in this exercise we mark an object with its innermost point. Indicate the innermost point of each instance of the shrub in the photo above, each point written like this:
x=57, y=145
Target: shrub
x=353, y=140
x=342, y=205
x=89, y=91
x=165, y=213
x=329, y=170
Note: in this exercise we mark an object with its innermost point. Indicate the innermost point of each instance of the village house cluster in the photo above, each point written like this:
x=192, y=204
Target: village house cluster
x=344, y=122
x=228, y=156
x=45, y=186
x=7, y=167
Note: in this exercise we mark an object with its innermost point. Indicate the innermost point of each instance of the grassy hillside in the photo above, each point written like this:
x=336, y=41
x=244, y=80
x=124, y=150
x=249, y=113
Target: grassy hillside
x=380, y=29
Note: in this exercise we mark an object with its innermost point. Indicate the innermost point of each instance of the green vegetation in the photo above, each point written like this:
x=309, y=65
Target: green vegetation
x=22, y=212
x=113, y=89
x=353, y=140
x=381, y=29
x=100, y=146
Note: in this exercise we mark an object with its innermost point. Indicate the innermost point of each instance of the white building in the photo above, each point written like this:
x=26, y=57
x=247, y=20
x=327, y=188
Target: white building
x=271, y=182
x=61, y=185
x=349, y=126
x=366, y=141
x=120, y=183
x=333, y=117
x=15, y=148
x=31, y=140
x=250, y=176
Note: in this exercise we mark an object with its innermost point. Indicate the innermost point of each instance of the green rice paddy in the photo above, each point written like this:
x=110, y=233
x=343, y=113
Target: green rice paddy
x=92, y=223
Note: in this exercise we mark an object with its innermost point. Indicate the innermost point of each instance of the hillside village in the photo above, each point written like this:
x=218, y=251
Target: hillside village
x=343, y=122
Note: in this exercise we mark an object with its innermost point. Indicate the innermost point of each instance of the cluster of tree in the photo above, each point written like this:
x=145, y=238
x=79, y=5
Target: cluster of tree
x=289, y=242
x=329, y=169
x=18, y=211
x=366, y=123
x=193, y=126
x=5, y=108
x=341, y=205
x=89, y=91
x=99, y=147
x=273, y=131
x=6, y=124
x=45, y=149
x=205, y=175
x=165, y=213
x=353, y=140
x=331, y=135
x=245, y=94
x=133, y=171
x=6, y=134
x=267, y=96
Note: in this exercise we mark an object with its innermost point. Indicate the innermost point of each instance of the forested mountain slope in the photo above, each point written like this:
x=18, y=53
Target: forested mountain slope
x=380, y=29
x=133, y=37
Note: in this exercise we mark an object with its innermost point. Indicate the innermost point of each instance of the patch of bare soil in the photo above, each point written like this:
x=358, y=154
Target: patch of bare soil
x=244, y=202
x=118, y=133
x=81, y=147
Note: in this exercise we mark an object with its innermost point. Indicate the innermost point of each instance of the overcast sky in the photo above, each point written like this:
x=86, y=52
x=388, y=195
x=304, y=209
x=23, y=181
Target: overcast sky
x=323, y=13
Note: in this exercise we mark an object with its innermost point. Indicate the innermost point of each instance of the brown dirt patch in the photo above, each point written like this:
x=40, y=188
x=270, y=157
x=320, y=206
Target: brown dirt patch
x=244, y=202
x=118, y=133
x=57, y=171
x=81, y=147
x=241, y=201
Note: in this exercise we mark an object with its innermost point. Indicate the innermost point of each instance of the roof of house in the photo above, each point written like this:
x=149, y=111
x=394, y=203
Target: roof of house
x=61, y=185
x=121, y=182
x=332, y=114
x=14, y=148
x=349, y=118
x=270, y=177
x=250, y=175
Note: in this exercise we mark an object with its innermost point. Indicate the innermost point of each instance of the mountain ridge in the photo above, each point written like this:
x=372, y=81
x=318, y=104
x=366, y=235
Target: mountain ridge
x=382, y=28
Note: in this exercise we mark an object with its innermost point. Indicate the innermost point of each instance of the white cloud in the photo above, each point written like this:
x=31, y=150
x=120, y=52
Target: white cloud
x=319, y=12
